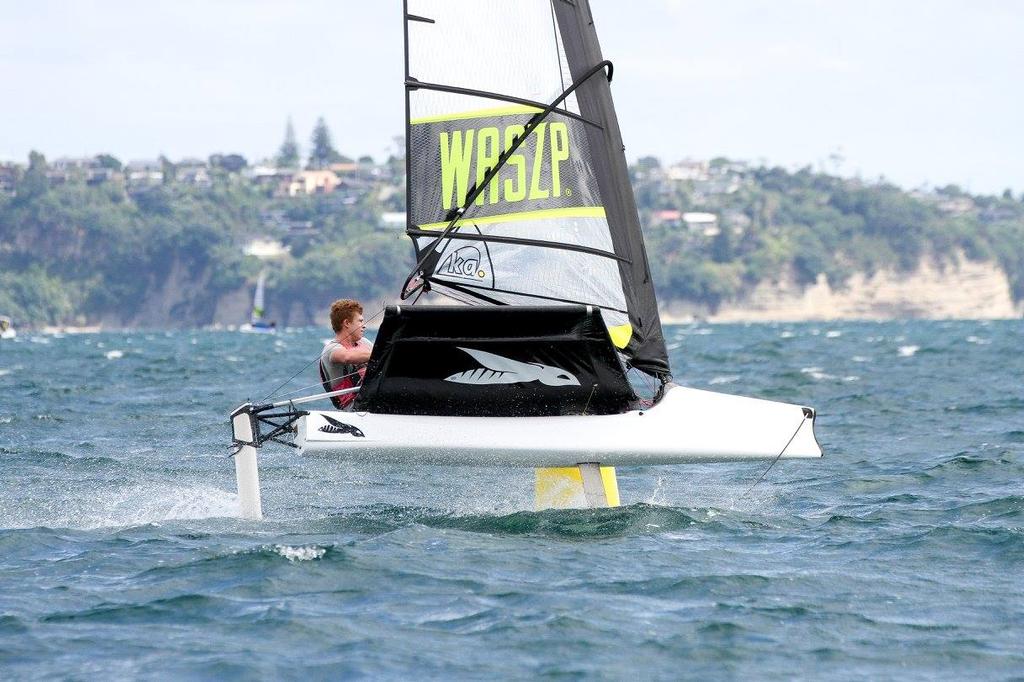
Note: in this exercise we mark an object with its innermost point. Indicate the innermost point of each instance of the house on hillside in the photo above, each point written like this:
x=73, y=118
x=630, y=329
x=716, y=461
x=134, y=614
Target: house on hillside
x=8, y=178
x=89, y=169
x=193, y=172
x=392, y=221
x=344, y=167
x=264, y=248
x=687, y=169
x=144, y=173
x=312, y=182
x=668, y=217
x=703, y=223
x=265, y=175
x=956, y=205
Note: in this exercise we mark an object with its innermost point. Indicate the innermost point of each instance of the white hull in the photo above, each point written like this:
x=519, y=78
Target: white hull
x=249, y=329
x=687, y=425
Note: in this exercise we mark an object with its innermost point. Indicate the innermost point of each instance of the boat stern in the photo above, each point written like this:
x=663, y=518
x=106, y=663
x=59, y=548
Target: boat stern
x=804, y=444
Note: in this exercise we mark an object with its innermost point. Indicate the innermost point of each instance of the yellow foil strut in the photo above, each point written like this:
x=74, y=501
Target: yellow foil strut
x=584, y=485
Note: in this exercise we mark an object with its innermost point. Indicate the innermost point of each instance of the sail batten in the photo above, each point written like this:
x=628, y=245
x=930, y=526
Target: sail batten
x=517, y=185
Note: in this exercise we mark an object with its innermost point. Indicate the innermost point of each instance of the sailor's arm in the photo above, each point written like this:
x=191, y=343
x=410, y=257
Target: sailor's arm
x=352, y=356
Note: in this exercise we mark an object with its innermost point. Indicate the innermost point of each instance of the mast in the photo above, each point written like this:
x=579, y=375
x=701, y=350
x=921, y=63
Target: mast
x=576, y=23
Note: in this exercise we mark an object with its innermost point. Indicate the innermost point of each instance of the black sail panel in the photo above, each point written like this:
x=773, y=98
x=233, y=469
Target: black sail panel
x=517, y=186
x=647, y=345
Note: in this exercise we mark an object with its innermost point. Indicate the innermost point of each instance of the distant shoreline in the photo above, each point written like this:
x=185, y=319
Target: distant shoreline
x=963, y=290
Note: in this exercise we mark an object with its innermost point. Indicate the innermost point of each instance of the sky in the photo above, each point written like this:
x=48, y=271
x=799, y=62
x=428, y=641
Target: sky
x=920, y=92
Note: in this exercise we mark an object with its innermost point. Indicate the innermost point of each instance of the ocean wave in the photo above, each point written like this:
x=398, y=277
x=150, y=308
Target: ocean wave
x=969, y=461
x=635, y=519
x=381, y=518
x=190, y=608
x=997, y=405
x=664, y=586
x=301, y=553
x=1003, y=508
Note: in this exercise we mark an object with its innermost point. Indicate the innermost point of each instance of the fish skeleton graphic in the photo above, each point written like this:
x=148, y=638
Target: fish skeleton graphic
x=499, y=370
x=335, y=426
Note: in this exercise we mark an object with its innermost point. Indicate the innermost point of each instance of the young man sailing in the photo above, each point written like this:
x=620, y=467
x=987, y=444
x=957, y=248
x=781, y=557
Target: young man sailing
x=343, y=359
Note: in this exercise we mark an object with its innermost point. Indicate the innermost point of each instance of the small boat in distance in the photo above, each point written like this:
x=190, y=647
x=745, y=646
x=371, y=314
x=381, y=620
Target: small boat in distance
x=7, y=328
x=256, y=324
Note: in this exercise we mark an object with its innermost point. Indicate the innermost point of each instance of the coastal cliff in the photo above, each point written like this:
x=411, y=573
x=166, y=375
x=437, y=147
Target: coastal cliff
x=960, y=290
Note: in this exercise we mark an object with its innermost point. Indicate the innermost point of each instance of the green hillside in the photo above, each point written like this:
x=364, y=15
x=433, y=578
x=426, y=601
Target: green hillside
x=93, y=243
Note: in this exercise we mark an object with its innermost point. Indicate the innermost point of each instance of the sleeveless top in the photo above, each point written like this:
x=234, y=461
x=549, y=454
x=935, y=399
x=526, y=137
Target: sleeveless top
x=339, y=375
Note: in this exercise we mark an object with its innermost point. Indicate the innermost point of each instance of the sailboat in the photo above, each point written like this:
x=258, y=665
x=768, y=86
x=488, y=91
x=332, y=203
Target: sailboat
x=256, y=324
x=520, y=209
x=7, y=330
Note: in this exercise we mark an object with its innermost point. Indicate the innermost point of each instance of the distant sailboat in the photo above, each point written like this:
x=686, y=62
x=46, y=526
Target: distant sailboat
x=258, y=325
x=6, y=328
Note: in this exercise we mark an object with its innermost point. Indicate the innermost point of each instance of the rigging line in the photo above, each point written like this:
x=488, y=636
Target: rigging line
x=306, y=366
x=558, y=51
x=647, y=379
x=478, y=188
x=318, y=384
x=490, y=263
x=777, y=458
x=589, y=397
x=472, y=295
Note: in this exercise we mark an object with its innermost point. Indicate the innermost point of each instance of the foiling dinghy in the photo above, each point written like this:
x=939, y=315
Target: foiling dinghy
x=520, y=207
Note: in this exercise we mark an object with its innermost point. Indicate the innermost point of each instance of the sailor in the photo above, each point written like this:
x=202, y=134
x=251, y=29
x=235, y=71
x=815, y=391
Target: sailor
x=343, y=359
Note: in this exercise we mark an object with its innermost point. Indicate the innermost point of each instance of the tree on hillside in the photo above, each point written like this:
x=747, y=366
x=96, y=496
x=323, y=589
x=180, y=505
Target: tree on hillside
x=323, y=153
x=34, y=182
x=169, y=169
x=646, y=164
x=232, y=163
x=109, y=161
x=288, y=154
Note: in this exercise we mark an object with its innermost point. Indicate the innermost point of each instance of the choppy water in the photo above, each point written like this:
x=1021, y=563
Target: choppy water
x=900, y=555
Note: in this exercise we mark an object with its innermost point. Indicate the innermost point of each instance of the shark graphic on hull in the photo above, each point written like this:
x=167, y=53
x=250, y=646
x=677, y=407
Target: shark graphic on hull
x=335, y=426
x=501, y=370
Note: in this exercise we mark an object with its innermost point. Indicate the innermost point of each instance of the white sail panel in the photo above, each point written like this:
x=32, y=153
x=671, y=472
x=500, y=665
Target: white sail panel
x=511, y=48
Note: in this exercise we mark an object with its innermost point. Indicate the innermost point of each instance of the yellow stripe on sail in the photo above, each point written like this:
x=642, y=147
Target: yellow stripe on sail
x=621, y=334
x=545, y=214
x=477, y=113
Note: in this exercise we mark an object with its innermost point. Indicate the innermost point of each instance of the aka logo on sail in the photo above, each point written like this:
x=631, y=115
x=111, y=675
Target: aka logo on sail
x=463, y=263
x=533, y=173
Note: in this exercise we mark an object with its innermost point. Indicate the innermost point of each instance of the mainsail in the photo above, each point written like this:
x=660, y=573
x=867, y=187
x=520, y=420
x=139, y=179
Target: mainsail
x=518, y=192
x=256, y=318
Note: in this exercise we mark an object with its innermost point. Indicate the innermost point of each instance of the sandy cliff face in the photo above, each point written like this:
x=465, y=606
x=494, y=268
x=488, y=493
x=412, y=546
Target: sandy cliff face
x=966, y=289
